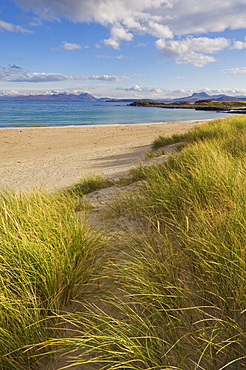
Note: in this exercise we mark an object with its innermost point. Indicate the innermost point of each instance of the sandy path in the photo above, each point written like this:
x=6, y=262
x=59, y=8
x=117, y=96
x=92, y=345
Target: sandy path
x=54, y=157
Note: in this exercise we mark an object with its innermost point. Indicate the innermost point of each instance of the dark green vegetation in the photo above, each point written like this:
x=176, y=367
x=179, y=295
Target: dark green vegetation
x=176, y=298
x=226, y=106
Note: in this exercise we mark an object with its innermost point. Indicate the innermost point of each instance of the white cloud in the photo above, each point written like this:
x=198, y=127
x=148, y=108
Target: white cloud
x=108, y=78
x=239, y=45
x=230, y=92
x=117, y=34
x=120, y=33
x=34, y=22
x=7, y=73
x=57, y=77
x=17, y=74
x=158, y=93
x=189, y=50
x=234, y=70
x=112, y=57
x=5, y=26
x=197, y=59
x=67, y=46
x=163, y=19
x=181, y=16
x=102, y=11
x=178, y=48
x=9, y=92
x=159, y=30
x=135, y=92
x=44, y=77
x=176, y=78
x=141, y=45
x=112, y=42
x=137, y=88
x=189, y=17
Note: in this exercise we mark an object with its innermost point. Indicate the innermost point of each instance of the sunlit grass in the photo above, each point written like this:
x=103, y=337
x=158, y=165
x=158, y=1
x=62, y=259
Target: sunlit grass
x=219, y=128
x=89, y=184
x=178, y=298
x=97, y=182
x=47, y=258
x=183, y=299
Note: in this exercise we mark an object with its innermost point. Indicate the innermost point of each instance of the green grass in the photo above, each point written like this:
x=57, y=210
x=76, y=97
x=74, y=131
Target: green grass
x=180, y=298
x=183, y=297
x=219, y=128
x=133, y=175
x=155, y=153
x=47, y=258
x=88, y=185
x=97, y=182
x=223, y=103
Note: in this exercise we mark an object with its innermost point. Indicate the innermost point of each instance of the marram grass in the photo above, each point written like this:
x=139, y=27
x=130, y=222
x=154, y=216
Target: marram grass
x=219, y=128
x=183, y=299
x=47, y=258
x=180, y=298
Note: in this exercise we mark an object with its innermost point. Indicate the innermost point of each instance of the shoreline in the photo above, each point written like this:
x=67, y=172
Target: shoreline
x=52, y=158
x=103, y=125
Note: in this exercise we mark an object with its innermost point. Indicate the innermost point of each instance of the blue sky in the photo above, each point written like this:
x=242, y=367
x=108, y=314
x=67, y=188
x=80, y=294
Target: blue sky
x=123, y=48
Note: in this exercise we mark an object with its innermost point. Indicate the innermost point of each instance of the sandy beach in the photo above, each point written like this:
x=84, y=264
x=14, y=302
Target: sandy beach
x=55, y=157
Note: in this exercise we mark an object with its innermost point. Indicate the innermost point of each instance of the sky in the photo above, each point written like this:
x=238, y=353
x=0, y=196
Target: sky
x=123, y=48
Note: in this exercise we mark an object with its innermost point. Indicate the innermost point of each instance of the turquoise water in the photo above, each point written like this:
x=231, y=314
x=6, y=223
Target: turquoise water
x=20, y=114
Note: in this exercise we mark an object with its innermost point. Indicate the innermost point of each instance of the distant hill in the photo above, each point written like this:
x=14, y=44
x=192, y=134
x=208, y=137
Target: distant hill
x=54, y=97
x=238, y=107
x=203, y=96
x=85, y=97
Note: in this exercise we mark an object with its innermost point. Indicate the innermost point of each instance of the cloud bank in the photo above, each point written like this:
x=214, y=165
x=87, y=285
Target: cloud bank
x=135, y=92
x=142, y=92
x=18, y=74
x=160, y=18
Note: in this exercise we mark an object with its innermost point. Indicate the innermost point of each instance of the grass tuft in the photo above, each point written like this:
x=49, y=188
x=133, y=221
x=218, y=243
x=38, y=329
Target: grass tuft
x=88, y=185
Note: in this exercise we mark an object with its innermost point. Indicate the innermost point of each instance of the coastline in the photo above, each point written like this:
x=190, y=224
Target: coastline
x=54, y=157
x=104, y=125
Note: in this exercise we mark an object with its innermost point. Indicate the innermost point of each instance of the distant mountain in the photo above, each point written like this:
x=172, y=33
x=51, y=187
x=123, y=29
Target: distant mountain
x=204, y=96
x=54, y=97
x=194, y=97
x=85, y=97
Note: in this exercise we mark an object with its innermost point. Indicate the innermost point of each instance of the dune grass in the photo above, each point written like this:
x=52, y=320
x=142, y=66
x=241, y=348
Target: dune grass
x=183, y=297
x=219, y=128
x=88, y=185
x=180, y=298
x=97, y=182
x=47, y=258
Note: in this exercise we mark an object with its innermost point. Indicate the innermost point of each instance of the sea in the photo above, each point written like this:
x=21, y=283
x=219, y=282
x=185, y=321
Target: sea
x=44, y=114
